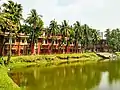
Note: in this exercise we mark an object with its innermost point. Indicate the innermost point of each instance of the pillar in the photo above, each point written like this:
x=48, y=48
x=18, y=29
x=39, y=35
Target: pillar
x=19, y=46
x=38, y=52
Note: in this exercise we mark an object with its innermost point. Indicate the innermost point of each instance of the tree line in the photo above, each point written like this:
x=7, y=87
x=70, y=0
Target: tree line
x=113, y=39
x=83, y=35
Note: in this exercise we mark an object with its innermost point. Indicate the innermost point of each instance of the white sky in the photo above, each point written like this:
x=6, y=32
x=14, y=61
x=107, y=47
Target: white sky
x=99, y=14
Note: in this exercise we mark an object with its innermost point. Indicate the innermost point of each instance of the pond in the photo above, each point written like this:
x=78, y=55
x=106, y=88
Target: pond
x=100, y=76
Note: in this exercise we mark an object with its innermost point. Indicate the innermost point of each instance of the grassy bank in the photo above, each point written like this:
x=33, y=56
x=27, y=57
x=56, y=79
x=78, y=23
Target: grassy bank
x=44, y=61
x=118, y=54
x=6, y=82
x=52, y=60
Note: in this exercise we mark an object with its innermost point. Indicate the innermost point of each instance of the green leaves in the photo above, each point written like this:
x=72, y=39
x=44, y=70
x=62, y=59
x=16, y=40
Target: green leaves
x=33, y=25
x=53, y=28
x=34, y=19
x=7, y=24
x=14, y=9
x=11, y=14
x=113, y=39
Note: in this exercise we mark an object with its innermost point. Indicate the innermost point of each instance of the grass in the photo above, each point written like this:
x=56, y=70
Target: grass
x=6, y=82
x=118, y=53
x=52, y=60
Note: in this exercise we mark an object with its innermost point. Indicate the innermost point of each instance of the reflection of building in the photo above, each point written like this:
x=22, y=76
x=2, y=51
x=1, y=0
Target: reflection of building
x=18, y=78
x=45, y=45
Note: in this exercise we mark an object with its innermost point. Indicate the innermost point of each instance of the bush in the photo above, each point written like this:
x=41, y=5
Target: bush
x=54, y=57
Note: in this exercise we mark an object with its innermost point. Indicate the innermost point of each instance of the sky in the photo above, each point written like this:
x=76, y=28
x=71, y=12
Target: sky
x=99, y=14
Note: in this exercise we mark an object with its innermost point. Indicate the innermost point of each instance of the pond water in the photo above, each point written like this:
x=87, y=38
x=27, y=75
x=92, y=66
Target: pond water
x=101, y=76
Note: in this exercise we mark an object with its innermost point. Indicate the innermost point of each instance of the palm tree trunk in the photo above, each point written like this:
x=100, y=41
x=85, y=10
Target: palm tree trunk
x=32, y=48
x=2, y=48
x=32, y=44
x=9, y=55
x=19, y=46
x=66, y=48
x=76, y=47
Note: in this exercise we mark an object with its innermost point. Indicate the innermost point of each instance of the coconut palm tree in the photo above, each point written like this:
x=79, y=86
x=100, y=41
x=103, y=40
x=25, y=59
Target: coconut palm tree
x=107, y=35
x=113, y=39
x=77, y=35
x=86, y=36
x=65, y=32
x=70, y=38
x=12, y=16
x=35, y=21
x=53, y=31
x=15, y=9
x=7, y=25
x=94, y=38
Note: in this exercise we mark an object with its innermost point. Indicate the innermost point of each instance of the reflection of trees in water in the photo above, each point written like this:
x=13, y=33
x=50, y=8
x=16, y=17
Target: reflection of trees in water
x=19, y=78
x=114, y=72
x=67, y=78
x=63, y=78
x=113, y=69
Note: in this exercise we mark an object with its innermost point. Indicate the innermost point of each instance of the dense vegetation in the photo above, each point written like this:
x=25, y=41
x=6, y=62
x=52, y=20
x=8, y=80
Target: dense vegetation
x=53, y=60
x=113, y=39
x=33, y=26
x=81, y=35
x=10, y=21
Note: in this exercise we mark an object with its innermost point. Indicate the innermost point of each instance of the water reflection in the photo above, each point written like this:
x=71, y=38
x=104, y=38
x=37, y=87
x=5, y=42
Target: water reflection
x=90, y=77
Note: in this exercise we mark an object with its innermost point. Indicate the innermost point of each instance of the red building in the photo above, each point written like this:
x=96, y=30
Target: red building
x=45, y=45
x=19, y=44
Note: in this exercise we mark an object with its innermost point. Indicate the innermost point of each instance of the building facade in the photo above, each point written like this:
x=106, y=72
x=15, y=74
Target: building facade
x=19, y=44
x=44, y=45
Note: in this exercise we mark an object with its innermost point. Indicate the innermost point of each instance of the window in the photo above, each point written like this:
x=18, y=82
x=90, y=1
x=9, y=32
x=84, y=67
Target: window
x=7, y=40
x=23, y=40
x=13, y=40
x=44, y=41
x=55, y=42
x=17, y=40
x=71, y=43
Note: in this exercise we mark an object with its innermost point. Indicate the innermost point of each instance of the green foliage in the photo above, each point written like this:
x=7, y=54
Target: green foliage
x=10, y=17
x=113, y=39
x=54, y=57
x=7, y=24
x=15, y=11
x=33, y=26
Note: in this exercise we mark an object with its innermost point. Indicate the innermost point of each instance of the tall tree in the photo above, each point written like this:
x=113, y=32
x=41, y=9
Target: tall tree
x=53, y=31
x=65, y=32
x=12, y=16
x=36, y=23
x=77, y=35
x=9, y=26
x=86, y=36
x=113, y=39
x=14, y=9
x=94, y=38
